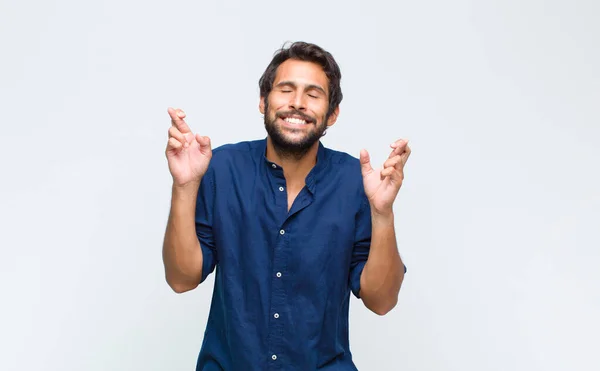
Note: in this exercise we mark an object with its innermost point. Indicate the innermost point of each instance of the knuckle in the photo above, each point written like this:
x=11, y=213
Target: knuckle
x=175, y=132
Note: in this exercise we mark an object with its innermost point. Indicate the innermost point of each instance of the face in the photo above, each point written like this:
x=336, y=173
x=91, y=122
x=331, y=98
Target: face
x=296, y=109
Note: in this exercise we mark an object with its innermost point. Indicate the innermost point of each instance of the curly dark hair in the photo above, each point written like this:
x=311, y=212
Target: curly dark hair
x=304, y=51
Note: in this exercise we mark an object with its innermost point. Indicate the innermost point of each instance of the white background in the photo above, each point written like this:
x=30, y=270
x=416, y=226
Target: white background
x=497, y=219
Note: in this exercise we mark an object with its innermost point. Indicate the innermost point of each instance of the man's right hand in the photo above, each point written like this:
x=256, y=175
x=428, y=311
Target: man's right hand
x=188, y=154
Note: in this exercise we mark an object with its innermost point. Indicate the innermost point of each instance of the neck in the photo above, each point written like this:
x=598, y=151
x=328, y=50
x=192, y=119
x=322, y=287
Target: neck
x=295, y=167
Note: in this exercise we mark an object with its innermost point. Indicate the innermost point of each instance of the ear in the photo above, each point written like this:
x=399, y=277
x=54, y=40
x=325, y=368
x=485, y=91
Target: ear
x=333, y=118
x=261, y=105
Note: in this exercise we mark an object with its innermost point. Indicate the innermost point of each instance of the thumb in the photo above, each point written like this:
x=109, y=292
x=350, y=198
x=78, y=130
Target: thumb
x=365, y=162
x=204, y=142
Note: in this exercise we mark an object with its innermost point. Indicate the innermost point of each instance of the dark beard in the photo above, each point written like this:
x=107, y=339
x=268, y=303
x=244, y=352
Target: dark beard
x=289, y=149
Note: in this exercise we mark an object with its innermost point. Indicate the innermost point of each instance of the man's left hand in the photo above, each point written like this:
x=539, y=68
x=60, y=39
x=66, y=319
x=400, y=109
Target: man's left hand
x=382, y=185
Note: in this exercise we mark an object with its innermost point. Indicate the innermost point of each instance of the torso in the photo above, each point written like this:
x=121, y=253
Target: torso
x=288, y=254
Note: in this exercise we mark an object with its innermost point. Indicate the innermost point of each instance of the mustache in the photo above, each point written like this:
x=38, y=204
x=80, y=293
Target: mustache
x=303, y=116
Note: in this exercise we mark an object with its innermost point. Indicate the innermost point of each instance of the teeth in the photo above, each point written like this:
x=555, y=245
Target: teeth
x=293, y=120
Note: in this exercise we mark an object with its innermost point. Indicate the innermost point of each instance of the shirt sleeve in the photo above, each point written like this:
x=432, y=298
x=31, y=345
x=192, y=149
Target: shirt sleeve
x=204, y=222
x=362, y=245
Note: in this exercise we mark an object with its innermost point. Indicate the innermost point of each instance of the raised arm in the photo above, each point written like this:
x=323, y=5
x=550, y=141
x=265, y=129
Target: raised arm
x=188, y=157
x=384, y=270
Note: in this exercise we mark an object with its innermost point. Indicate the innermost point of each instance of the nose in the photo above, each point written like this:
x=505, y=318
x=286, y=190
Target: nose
x=297, y=102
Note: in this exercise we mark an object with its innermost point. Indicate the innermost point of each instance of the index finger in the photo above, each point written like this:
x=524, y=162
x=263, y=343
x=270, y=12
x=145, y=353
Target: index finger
x=177, y=119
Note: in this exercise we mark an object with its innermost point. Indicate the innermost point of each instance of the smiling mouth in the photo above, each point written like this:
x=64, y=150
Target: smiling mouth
x=295, y=120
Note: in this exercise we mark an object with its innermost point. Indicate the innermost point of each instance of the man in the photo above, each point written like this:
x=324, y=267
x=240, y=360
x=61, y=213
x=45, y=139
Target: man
x=291, y=227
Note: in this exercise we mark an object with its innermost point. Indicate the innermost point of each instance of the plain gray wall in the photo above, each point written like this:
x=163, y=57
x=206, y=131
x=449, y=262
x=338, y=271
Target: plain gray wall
x=497, y=219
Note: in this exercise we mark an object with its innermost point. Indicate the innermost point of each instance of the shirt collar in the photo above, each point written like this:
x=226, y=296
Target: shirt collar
x=315, y=173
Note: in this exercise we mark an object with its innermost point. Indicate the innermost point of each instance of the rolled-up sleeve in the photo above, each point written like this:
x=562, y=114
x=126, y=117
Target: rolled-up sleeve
x=204, y=222
x=362, y=244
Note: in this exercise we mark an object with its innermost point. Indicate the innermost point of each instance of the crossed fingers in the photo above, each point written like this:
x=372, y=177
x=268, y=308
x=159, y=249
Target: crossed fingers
x=394, y=165
x=179, y=132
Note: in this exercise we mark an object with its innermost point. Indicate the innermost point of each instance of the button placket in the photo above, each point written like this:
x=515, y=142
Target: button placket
x=276, y=328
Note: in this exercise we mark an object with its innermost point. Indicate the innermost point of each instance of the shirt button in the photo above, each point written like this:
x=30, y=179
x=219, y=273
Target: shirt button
x=278, y=274
x=274, y=166
x=282, y=232
x=273, y=357
x=281, y=189
x=276, y=315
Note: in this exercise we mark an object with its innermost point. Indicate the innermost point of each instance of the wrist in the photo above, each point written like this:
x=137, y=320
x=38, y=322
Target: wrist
x=186, y=186
x=185, y=191
x=382, y=217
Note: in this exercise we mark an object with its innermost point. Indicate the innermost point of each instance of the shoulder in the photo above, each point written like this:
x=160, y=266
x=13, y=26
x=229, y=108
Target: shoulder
x=344, y=163
x=344, y=170
x=238, y=149
x=237, y=153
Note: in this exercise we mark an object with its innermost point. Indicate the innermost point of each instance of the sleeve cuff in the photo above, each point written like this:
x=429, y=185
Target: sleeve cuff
x=207, y=262
x=355, y=279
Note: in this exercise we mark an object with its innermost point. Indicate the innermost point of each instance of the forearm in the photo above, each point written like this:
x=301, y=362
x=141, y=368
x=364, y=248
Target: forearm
x=383, y=273
x=182, y=256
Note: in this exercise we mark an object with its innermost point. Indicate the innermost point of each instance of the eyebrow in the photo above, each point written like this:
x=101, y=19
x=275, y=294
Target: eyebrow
x=309, y=86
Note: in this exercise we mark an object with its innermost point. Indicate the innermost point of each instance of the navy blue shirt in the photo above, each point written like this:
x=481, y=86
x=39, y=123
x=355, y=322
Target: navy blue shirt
x=282, y=279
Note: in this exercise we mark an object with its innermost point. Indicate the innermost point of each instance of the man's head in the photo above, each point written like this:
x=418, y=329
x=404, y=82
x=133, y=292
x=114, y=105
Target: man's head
x=300, y=95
